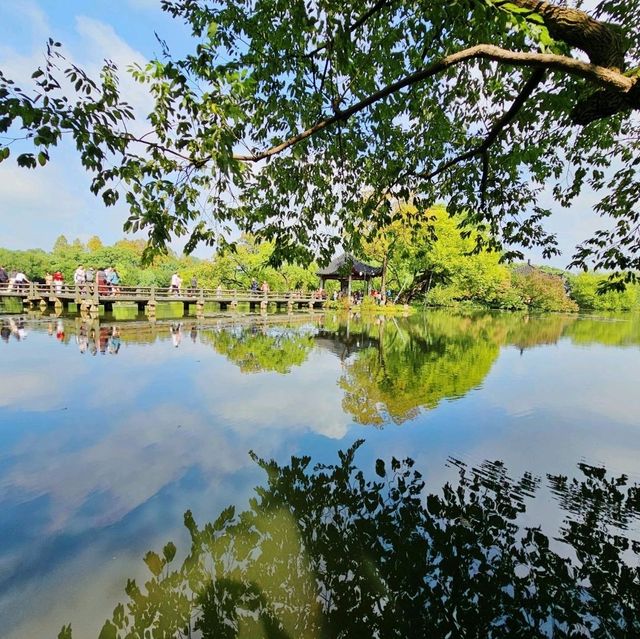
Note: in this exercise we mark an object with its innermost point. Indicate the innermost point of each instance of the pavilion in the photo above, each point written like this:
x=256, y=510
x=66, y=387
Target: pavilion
x=345, y=268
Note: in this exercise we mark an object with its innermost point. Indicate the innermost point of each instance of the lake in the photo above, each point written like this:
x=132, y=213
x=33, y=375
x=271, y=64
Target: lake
x=110, y=430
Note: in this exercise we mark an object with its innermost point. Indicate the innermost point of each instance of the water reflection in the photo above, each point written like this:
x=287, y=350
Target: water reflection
x=332, y=551
x=391, y=369
x=13, y=328
x=100, y=456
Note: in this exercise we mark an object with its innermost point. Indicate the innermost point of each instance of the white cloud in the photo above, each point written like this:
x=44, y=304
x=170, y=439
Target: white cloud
x=100, y=41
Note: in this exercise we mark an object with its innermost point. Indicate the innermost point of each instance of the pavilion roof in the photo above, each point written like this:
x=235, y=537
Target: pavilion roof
x=344, y=265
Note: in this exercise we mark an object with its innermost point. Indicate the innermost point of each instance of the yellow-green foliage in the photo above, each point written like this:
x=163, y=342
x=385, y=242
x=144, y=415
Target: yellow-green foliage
x=256, y=350
x=584, y=290
x=543, y=292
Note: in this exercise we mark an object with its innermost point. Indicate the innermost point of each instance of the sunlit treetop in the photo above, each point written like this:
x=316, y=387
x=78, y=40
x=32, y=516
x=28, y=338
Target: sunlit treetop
x=298, y=120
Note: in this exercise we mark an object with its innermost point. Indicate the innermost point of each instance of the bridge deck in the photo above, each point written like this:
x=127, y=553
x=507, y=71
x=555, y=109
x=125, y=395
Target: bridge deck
x=92, y=294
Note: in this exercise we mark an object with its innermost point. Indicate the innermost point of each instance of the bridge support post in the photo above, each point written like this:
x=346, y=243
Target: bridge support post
x=185, y=308
x=253, y=306
x=200, y=304
x=141, y=306
x=151, y=305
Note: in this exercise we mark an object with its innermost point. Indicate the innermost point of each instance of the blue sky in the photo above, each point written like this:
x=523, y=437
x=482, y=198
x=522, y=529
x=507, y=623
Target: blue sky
x=37, y=206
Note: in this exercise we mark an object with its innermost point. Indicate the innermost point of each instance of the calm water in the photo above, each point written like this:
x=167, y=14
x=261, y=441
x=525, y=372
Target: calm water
x=109, y=431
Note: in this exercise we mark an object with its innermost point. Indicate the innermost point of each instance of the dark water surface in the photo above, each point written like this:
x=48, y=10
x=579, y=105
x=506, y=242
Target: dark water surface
x=110, y=430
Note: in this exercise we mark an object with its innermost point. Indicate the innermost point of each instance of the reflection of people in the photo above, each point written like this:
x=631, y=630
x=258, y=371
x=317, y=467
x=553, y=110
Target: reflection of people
x=22, y=332
x=5, y=331
x=82, y=339
x=60, y=330
x=176, y=333
x=194, y=333
x=114, y=341
x=103, y=336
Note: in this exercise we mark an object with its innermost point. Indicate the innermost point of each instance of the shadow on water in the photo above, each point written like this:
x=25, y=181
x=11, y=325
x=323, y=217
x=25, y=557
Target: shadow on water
x=329, y=551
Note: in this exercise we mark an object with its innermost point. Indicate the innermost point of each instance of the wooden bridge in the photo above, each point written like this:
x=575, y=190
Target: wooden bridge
x=89, y=297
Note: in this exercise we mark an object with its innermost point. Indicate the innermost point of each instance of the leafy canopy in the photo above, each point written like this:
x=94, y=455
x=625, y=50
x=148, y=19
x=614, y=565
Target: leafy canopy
x=297, y=120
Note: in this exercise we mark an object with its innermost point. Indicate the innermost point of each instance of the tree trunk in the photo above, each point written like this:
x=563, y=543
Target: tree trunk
x=603, y=42
x=383, y=283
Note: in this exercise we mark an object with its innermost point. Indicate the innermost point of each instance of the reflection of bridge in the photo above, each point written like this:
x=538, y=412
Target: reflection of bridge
x=90, y=296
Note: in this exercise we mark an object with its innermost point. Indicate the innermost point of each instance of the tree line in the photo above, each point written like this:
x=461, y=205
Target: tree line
x=425, y=260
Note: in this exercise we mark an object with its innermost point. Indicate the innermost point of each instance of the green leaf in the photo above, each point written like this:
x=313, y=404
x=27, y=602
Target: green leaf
x=154, y=562
x=169, y=552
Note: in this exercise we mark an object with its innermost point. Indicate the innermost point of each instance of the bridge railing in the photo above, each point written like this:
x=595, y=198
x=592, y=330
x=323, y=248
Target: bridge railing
x=92, y=290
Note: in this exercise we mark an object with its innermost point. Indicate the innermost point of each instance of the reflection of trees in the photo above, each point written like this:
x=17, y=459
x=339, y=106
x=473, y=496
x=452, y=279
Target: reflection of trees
x=254, y=349
x=528, y=331
x=330, y=552
x=608, y=330
x=416, y=364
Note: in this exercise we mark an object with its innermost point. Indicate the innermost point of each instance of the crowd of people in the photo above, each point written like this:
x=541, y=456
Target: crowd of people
x=13, y=280
x=107, y=279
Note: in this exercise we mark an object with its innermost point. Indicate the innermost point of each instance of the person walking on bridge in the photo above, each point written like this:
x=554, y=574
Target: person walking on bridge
x=79, y=277
x=21, y=281
x=176, y=283
x=58, y=280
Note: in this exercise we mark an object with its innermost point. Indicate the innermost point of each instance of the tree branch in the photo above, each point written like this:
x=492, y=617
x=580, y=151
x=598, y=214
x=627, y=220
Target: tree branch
x=595, y=74
x=536, y=78
x=604, y=43
x=376, y=8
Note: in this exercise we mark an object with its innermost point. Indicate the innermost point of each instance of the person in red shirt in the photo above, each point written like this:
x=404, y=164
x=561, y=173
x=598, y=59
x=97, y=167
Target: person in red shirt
x=58, y=280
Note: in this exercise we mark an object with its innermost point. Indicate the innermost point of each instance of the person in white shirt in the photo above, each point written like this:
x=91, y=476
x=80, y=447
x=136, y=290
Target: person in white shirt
x=176, y=283
x=20, y=280
x=79, y=276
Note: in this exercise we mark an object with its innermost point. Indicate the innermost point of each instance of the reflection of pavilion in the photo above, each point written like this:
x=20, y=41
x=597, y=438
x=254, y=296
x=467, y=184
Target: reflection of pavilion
x=346, y=268
x=343, y=342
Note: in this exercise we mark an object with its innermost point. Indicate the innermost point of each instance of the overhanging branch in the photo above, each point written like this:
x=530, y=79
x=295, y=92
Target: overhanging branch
x=482, y=149
x=597, y=75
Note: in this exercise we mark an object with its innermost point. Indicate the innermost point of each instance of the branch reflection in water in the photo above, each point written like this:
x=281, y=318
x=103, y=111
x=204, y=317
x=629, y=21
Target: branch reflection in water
x=331, y=552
